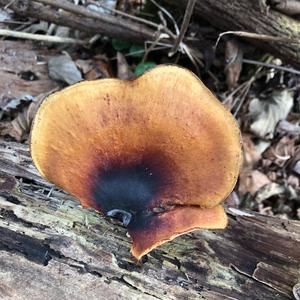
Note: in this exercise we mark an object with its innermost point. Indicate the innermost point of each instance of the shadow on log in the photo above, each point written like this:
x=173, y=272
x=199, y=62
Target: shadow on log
x=51, y=248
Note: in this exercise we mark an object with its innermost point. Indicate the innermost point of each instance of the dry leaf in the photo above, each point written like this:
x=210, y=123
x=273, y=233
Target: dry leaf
x=251, y=155
x=281, y=152
x=124, y=71
x=85, y=65
x=269, y=190
x=39, y=27
x=251, y=181
x=4, y=15
x=100, y=69
x=285, y=127
x=19, y=127
x=14, y=104
x=266, y=114
x=62, y=68
x=234, y=59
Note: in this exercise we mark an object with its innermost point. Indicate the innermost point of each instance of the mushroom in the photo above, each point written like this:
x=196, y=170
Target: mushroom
x=159, y=152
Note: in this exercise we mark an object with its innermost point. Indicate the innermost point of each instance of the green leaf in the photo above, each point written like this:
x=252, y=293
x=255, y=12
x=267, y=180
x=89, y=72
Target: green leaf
x=136, y=50
x=119, y=45
x=143, y=67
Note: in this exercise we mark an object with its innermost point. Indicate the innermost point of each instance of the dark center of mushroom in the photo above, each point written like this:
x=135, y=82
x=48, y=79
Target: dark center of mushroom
x=123, y=192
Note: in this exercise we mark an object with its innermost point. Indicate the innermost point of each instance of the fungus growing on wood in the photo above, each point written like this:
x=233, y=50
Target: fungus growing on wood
x=159, y=152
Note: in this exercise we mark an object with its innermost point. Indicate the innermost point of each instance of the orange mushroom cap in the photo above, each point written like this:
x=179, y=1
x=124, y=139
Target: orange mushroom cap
x=160, y=151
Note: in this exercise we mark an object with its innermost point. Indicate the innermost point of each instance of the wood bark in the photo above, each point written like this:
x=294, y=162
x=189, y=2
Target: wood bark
x=52, y=248
x=255, y=17
x=113, y=26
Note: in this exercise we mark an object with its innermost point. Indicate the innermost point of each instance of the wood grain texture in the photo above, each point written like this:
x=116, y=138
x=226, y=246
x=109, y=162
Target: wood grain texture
x=52, y=248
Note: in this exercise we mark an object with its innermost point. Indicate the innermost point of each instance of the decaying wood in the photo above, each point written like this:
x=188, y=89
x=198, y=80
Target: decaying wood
x=110, y=25
x=51, y=248
x=253, y=16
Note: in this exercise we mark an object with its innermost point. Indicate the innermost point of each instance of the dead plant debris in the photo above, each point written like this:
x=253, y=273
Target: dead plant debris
x=262, y=91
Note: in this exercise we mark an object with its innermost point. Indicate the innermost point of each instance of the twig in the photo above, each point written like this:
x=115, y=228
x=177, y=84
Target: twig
x=143, y=51
x=9, y=4
x=281, y=68
x=169, y=15
x=232, y=93
x=243, y=96
x=242, y=91
x=152, y=46
x=185, y=24
x=138, y=19
x=39, y=37
x=251, y=35
x=79, y=10
x=121, y=13
x=15, y=22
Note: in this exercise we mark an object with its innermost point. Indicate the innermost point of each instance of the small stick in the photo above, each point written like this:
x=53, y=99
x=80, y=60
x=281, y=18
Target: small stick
x=260, y=63
x=251, y=35
x=168, y=14
x=9, y=4
x=185, y=24
x=82, y=11
x=39, y=37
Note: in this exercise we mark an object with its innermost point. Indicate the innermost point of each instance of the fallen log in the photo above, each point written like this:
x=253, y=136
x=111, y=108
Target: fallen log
x=254, y=17
x=52, y=248
x=248, y=16
x=110, y=25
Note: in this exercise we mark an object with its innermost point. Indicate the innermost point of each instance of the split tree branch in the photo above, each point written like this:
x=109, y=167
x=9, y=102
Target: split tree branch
x=112, y=26
x=52, y=247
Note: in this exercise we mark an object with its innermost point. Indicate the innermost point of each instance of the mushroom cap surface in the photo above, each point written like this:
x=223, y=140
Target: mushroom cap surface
x=158, y=141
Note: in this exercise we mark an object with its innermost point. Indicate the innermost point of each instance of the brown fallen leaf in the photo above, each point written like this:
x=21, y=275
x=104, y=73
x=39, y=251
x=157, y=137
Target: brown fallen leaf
x=251, y=181
x=281, y=152
x=233, y=59
x=293, y=163
x=62, y=68
x=19, y=127
x=285, y=127
x=124, y=71
x=251, y=155
x=100, y=69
